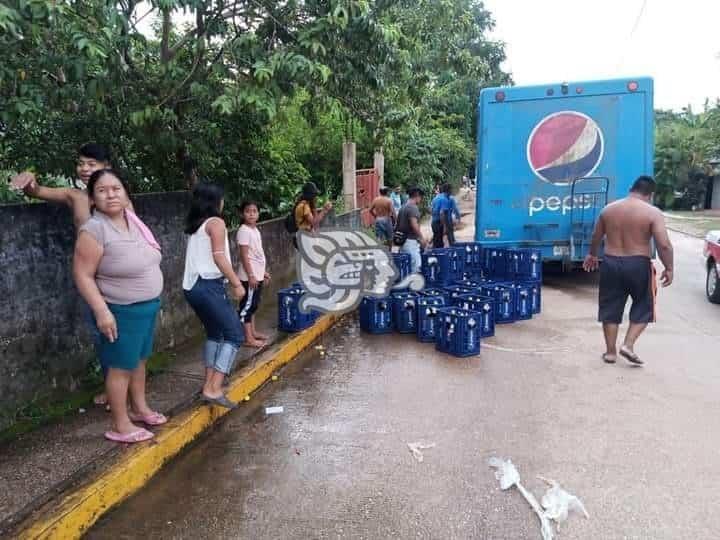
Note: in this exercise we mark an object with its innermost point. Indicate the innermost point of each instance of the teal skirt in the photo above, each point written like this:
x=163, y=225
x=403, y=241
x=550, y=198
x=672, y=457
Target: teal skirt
x=136, y=329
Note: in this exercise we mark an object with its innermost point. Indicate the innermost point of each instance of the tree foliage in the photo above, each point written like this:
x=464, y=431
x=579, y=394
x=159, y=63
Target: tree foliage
x=259, y=94
x=687, y=145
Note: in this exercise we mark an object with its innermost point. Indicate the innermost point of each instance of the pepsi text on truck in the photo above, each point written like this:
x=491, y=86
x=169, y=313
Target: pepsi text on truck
x=550, y=158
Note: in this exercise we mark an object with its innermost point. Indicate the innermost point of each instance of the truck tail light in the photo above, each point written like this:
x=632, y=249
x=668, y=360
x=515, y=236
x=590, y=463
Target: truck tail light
x=500, y=96
x=632, y=86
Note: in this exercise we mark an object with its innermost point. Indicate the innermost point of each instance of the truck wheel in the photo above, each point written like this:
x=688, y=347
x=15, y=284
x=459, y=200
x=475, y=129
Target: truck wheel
x=712, y=285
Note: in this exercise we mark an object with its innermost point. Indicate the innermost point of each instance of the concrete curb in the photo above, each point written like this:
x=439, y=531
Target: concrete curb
x=79, y=508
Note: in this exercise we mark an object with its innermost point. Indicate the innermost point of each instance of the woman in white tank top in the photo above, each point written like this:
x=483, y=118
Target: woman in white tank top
x=207, y=266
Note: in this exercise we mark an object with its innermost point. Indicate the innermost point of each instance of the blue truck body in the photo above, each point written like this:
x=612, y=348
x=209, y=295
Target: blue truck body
x=550, y=157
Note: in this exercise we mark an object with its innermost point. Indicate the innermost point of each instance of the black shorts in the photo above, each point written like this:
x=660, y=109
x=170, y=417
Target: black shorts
x=250, y=302
x=623, y=277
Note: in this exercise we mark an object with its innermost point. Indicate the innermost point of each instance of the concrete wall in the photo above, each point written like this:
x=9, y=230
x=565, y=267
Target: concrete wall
x=45, y=345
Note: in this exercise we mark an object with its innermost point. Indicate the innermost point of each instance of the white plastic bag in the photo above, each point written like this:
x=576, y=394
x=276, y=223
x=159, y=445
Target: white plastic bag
x=416, y=447
x=509, y=476
x=558, y=503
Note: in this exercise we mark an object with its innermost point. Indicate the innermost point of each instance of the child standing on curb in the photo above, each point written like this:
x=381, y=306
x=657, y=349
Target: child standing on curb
x=251, y=272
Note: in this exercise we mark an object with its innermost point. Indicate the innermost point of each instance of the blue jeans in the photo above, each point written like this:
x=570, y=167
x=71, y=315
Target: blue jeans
x=222, y=325
x=412, y=247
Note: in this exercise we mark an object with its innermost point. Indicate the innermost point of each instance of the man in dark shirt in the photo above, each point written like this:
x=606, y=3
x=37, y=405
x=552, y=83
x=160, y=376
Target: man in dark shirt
x=408, y=222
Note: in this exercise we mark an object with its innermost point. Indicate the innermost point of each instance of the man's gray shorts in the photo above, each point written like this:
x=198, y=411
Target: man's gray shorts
x=623, y=277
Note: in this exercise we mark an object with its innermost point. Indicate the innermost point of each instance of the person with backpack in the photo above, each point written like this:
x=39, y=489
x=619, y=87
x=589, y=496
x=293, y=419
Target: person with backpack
x=305, y=216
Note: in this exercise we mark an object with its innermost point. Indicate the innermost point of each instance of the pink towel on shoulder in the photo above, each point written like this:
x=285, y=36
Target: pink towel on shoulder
x=144, y=229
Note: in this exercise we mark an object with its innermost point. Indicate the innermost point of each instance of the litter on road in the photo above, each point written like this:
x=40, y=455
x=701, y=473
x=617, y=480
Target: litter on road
x=557, y=502
x=274, y=410
x=509, y=476
x=416, y=447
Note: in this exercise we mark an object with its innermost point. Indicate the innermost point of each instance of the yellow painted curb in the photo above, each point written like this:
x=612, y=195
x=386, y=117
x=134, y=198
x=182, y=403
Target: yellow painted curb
x=80, y=509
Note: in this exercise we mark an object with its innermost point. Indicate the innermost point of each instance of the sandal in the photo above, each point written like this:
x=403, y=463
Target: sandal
x=152, y=419
x=129, y=438
x=630, y=356
x=609, y=358
x=221, y=401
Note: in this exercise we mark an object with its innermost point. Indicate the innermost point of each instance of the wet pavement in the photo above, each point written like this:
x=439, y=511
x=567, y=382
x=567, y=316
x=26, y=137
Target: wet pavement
x=638, y=446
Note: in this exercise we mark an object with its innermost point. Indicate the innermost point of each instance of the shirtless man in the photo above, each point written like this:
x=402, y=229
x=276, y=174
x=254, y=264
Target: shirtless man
x=91, y=157
x=628, y=225
x=385, y=217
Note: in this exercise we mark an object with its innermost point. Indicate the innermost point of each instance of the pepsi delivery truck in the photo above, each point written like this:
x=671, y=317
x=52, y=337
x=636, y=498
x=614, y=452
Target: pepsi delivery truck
x=550, y=157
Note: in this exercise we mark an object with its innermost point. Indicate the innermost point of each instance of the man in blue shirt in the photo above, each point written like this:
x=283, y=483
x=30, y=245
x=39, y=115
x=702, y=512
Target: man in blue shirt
x=395, y=197
x=454, y=219
x=441, y=221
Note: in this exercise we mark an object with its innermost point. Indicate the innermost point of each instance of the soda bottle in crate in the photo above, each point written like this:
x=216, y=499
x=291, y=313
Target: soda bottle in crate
x=504, y=296
x=530, y=265
x=535, y=290
x=436, y=267
x=457, y=264
x=471, y=254
x=404, y=312
x=376, y=315
x=458, y=332
x=427, y=317
x=290, y=319
x=523, y=302
x=485, y=307
x=512, y=264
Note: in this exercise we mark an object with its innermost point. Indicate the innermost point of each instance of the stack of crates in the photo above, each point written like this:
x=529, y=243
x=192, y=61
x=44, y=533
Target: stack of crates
x=458, y=332
x=404, y=312
x=494, y=262
x=376, y=315
x=290, y=319
x=484, y=306
x=427, y=317
x=402, y=263
x=436, y=267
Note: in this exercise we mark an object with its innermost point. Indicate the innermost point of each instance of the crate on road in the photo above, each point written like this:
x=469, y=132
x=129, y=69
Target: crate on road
x=376, y=315
x=427, y=317
x=458, y=332
x=504, y=296
x=404, y=312
x=484, y=306
x=290, y=318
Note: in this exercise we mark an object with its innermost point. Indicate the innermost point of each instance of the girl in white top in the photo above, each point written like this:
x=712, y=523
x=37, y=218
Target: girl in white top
x=207, y=265
x=252, y=271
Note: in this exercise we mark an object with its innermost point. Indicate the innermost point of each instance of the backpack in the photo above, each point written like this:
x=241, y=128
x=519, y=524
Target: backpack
x=290, y=222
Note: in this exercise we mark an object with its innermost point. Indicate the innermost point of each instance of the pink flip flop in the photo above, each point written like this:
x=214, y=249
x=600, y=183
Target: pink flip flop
x=128, y=438
x=153, y=419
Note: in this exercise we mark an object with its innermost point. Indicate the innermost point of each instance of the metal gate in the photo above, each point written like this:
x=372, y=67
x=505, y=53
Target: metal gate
x=367, y=188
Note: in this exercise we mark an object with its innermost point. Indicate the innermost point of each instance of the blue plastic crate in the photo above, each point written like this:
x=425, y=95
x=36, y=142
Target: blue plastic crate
x=404, y=312
x=453, y=291
x=428, y=316
x=495, y=262
x=471, y=253
x=529, y=265
x=484, y=306
x=376, y=315
x=535, y=295
x=436, y=267
x=458, y=332
x=290, y=319
x=512, y=264
x=457, y=263
x=402, y=263
x=504, y=296
x=523, y=302
x=437, y=292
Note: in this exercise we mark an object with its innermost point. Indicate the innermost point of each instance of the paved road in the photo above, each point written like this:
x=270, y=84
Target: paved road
x=641, y=447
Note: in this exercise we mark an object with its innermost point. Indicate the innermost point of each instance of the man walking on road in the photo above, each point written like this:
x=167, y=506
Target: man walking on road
x=627, y=226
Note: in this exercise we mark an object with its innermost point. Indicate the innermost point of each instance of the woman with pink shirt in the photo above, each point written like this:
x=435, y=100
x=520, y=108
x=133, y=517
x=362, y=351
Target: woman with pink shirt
x=252, y=271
